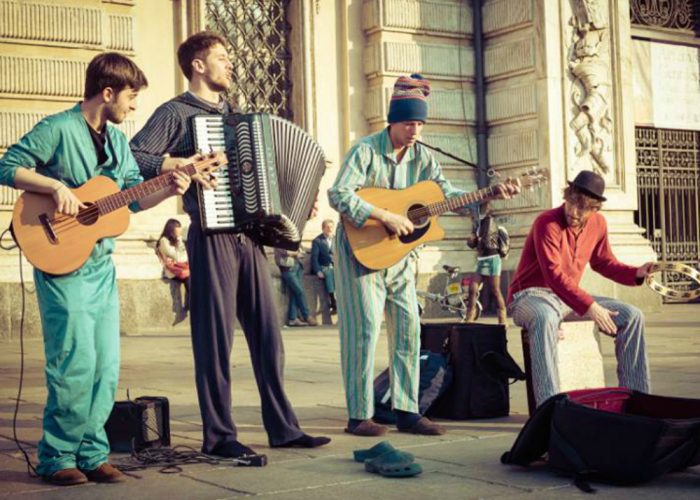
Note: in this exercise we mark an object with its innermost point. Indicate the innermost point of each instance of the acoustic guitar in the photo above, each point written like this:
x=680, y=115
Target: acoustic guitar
x=59, y=244
x=375, y=247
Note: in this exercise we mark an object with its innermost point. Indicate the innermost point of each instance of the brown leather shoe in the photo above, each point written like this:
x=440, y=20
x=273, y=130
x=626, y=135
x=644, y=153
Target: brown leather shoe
x=66, y=477
x=105, y=473
x=368, y=428
x=311, y=320
x=425, y=427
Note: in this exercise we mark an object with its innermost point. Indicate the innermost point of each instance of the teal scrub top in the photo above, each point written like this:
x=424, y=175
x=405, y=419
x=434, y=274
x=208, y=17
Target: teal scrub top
x=60, y=146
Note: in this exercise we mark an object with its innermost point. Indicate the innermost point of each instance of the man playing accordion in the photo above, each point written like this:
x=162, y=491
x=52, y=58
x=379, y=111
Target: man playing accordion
x=230, y=278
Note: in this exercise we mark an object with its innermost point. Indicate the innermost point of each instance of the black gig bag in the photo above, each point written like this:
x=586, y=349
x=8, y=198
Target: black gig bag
x=612, y=435
x=481, y=368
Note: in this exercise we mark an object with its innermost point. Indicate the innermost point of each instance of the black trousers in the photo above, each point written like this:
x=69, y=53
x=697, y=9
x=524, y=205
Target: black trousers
x=230, y=279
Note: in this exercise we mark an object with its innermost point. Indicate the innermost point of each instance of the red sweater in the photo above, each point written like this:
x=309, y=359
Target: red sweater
x=555, y=257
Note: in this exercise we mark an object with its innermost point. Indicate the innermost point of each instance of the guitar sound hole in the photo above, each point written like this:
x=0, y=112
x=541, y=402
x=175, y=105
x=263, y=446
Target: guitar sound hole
x=420, y=220
x=421, y=224
x=89, y=215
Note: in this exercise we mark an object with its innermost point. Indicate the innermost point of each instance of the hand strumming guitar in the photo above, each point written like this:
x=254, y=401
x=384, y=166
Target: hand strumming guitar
x=396, y=224
x=66, y=201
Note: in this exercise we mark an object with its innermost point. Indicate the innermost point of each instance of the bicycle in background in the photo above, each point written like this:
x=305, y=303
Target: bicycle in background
x=455, y=294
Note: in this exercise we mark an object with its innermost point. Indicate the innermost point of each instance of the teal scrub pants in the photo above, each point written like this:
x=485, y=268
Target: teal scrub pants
x=80, y=321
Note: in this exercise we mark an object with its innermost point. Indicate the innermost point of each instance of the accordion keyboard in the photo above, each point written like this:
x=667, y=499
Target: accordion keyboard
x=216, y=204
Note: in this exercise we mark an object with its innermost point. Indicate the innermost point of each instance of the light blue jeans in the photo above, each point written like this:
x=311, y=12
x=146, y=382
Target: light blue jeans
x=540, y=311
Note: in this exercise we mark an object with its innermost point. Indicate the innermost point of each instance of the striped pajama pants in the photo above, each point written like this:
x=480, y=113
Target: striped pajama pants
x=540, y=311
x=363, y=298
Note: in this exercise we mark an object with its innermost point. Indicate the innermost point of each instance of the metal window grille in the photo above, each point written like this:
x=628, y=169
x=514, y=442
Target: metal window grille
x=672, y=14
x=668, y=180
x=258, y=33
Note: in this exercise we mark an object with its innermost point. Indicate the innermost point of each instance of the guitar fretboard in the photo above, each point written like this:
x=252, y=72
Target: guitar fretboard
x=126, y=197
x=449, y=204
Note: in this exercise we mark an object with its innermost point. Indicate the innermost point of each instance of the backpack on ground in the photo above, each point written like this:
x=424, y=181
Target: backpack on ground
x=435, y=379
x=613, y=435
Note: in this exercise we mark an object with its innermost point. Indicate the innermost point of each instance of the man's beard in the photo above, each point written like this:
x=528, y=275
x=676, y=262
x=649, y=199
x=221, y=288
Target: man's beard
x=216, y=86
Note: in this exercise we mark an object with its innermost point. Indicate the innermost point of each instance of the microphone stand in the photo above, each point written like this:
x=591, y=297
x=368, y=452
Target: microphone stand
x=490, y=172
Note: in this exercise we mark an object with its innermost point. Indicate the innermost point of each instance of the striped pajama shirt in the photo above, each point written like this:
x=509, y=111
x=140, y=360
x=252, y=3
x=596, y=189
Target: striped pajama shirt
x=364, y=296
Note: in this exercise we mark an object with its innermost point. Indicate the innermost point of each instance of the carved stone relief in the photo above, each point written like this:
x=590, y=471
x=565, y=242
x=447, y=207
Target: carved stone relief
x=591, y=88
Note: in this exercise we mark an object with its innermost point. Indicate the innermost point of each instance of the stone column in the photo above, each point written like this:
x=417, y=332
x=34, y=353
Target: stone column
x=560, y=97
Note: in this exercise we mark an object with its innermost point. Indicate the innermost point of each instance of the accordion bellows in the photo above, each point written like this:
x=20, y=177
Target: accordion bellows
x=268, y=188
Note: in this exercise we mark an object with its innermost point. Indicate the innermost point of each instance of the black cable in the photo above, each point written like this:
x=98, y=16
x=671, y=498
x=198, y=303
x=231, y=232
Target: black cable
x=171, y=460
x=30, y=468
x=2, y=236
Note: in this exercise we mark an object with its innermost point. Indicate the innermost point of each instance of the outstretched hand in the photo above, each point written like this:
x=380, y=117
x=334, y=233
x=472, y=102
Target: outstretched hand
x=645, y=270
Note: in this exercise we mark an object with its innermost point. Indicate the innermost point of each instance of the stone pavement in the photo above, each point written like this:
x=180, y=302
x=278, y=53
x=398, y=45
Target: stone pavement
x=464, y=463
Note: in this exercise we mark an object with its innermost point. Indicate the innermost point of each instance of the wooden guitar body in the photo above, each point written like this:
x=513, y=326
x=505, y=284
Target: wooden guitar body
x=373, y=245
x=60, y=244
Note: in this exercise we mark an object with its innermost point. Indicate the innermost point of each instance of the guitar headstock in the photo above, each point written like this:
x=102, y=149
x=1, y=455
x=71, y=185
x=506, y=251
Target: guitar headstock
x=210, y=161
x=534, y=177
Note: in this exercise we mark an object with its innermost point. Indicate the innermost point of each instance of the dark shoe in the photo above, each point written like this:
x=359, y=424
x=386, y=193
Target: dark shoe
x=66, y=477
x=231, y=450
x=425, y=427
x=368, y=428
x=105, y=473
x=305, y=441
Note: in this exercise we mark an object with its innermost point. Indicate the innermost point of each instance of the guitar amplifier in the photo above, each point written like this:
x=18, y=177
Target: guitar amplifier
x=139, y=424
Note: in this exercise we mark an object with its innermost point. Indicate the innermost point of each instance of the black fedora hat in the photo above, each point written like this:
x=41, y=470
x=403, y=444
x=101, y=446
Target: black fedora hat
x=590, y=183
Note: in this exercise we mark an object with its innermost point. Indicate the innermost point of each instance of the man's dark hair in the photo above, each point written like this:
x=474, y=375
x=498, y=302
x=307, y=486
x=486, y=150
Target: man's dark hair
x=196, y=47
x=110, y=69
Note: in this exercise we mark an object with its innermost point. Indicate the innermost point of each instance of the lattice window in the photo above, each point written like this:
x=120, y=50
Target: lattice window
x=258, y=33
x=668, y=183
x=671, y=14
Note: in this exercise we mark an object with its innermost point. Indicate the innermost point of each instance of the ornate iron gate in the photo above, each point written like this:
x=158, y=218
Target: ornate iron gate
x=668, y=179
x=258, y=33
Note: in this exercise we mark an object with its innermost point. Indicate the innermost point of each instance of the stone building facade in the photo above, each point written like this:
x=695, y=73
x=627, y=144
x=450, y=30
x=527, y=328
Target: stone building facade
x=562, y=92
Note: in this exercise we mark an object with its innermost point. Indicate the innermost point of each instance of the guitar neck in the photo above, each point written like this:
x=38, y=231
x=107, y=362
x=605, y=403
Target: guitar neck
x=450, y=204
x=123, y=198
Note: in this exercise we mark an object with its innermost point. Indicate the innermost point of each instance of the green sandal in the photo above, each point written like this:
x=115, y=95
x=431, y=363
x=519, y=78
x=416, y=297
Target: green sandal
x=393, y=464
x=379, y=449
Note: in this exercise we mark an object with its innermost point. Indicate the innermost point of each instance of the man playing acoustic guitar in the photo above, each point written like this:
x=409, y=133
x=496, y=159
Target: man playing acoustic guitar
x=388, y=159
x=80, y=310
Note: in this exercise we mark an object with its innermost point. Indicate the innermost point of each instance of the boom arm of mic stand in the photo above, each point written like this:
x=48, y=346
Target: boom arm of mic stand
x=490, y=172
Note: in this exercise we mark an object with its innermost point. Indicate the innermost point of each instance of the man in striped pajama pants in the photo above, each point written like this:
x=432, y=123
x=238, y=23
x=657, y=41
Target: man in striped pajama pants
x=545, y=289
x=388, y=159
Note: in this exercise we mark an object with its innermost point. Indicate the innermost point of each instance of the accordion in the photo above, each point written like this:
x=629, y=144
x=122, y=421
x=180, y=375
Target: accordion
x=269, y=186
